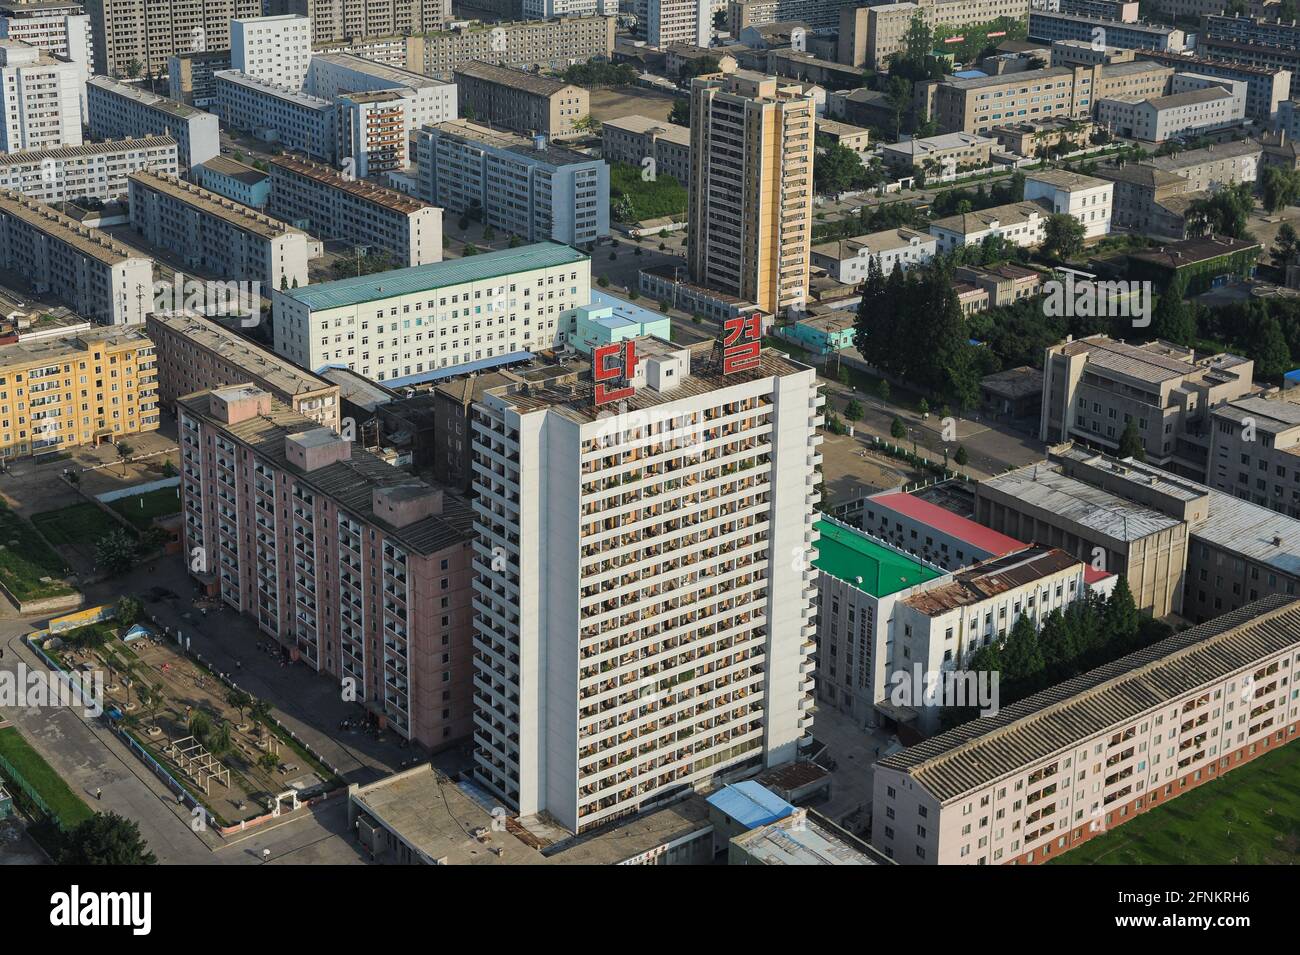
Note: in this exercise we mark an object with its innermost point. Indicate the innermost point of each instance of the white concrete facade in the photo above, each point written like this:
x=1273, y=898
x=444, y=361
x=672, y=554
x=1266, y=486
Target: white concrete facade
x=275, y=49
x=119, y=110
x=294, y=119
x=42, y=95
x=412, y=322
x=633, y=639
x=98, y=170
x=1088, y=199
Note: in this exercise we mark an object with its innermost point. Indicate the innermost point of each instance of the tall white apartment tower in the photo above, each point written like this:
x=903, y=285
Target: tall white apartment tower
x=275, y=49
x=42, y=98
x=644, y=605
x=679, y=21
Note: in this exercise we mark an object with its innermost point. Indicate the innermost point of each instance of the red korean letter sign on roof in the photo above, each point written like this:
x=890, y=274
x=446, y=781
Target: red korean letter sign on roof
x=743, y=343
x=613, y=362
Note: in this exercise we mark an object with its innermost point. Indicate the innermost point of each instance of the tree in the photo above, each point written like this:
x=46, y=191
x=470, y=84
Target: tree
x=1284, y=250
x=836, y=169
x=124, y=452
x=1268, y=347
x=489, y=233
x=853, y=410
x=115, y=552
x=882, y=389
x=961, y=457
x=603, y=282
x=1130, y=442
x=1226, y=212
x=218, y=742
x=470, y=249
x=240, y=700
x=897, y=429
x=1022, y=656
x=1174, y=319
x=680, y=113
x=1063, y=235
x=106, y=839
x=1279, y=188
x=1121, y=617
x=129, y=610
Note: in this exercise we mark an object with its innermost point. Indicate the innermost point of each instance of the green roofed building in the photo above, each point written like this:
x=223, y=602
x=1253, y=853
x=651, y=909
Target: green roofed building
x=420, y=324
x=874, y=568
x=860, y=580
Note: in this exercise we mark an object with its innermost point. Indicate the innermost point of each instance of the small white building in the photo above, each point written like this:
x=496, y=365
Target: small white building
x=1019, y=223
x=1087, y=198
x=849, y=260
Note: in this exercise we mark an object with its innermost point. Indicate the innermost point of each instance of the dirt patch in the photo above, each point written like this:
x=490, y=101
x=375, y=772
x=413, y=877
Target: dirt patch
x=630, y=101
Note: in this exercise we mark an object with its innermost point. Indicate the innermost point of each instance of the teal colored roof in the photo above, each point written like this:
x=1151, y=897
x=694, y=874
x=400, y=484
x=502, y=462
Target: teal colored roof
x=848, y=554
x=423, y=278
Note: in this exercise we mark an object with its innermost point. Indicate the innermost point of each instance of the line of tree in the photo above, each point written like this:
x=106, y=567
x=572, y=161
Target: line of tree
x=910, y=326
x=1089, y=633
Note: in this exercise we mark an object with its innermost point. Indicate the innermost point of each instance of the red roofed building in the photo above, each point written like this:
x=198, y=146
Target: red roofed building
x=931, y=532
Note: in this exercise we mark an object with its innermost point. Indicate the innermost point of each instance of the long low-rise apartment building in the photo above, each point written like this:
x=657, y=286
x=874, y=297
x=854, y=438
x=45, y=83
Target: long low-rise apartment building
x=211, y=232
x=117, y=110
x=1162, y=118
x=522, y=102
x=85, y=269
x=525, y=187
x=1050, y=772
x=351, y=565
x=91, y=170
x=1022, y=224
x=634, y=139
x=1048, y=27
x=293, y=119
x=418, y=322
x=331, y=206
x=197, y=353
x=1253, y=41
x=85, y=388
x=1266, y=87
x=553, y=43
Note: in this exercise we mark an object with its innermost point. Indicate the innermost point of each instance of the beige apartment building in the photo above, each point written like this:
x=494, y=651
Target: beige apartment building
x=135, y=38
x=196, y=353
x=85, y=269
x=1050, y=772
x=1104, y=530
x=751, y=188
x=1094, y=386
x=519, y=101
x=1255, y=452
x=1238, y=551
x=869, y=36
x=349, y=564
x=980, y=104
x=633, y=139
x=348, y=19
x=78, y=389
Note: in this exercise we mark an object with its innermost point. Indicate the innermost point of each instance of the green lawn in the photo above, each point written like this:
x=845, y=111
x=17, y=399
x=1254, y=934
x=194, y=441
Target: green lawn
x=1249, y=816
x=25, y=559
x=649, y=199
x=65, y=804
x=76, y=526
x=157, y=503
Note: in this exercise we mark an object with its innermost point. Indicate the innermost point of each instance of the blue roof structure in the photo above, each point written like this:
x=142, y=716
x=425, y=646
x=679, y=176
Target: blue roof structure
x=424, y=278
x=750, y=804
x=465, y=368
x=970, y=75
x=1293, y=375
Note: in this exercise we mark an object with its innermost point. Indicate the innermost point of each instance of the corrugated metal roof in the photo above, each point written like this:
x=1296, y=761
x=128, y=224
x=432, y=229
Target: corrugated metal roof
x=423, y=278
x=1054, y=721
x=750, y=804
x=1044, y=486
